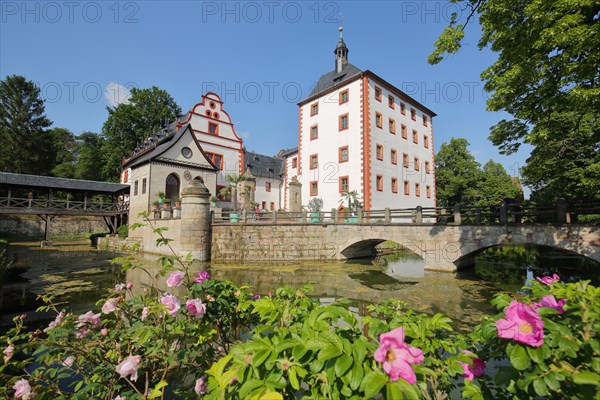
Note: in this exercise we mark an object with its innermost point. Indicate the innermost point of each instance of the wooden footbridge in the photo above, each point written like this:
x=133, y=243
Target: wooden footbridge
x=48, y=197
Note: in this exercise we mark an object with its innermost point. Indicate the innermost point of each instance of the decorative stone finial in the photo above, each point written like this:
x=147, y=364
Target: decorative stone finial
x=196, y=187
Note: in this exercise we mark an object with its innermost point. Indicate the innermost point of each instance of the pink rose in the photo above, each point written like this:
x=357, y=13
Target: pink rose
x=548, y=280
x=23, y=390
x=200, y=387
x=8, y=353
x=175, y=279
x=110, y=305
x=104, y=331
x=129, y=285
x=196, y=307
x=89, y=318
x=522, y=324
x=397, y=356
x=119, y=398
x=202, y=276
x=56, y=321
x=172, y=304
x=145, y=312
x=550, y=302
x=474, y=369
x=129, y=367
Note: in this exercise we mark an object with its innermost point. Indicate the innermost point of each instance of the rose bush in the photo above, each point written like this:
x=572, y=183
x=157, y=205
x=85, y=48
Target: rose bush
x=228, y=343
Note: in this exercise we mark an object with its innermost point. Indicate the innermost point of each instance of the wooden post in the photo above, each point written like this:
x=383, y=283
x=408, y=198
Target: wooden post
x=8, y=200
x=419, y=215
x=360, y=216
x=303, y=216
x=388, y=215
x=503, y=215
x=85, y=200
x=478, y=215
x=274, y=217
x=334, y=215
x=47, y=228
x=561, y=212
x=457, y=218
x=244, y=216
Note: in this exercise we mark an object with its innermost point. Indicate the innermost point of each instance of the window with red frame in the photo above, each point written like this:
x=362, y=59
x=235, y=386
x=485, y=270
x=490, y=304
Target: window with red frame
x=424, y=120
x=344, y=96
x=404, y=134
x=314, y=132
x=213, y=128
x=379, y=180
x=427, y=171
x=391, y=103
x=405, y=160
x=418, y=189
x=415, y=137
x=406, y=188
x=426, y=141
x=217, y=159
x=377, y=93
x=314, y=188
x=394, y=156
x=343, y=184
x=272, y=206
x=268, y=186
x=314, y=109
x=379, y=152
x=413, y=114
x=314, y=161
x=392, y=124
x=378, y=120
x=403, y=108
x=294, y=162
x=394, y=185
x=417, y=165
x=428, y=190
x=343, y=154
x=343, y=122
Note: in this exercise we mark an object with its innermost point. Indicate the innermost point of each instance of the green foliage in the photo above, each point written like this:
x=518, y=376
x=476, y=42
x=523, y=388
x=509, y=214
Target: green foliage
x=89, y=156
x=130, y=123
x=461, y=180
x=26, y=146
x=65, y=148
x=547, y=77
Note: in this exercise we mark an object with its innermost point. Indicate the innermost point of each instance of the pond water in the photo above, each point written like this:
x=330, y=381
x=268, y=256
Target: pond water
x=79, y=274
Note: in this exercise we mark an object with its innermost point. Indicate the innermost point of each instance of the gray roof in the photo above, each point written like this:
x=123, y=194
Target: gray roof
x=157, y=144
x=333, y=78
x=49, y=182
x=263, y=166
x=287, y=153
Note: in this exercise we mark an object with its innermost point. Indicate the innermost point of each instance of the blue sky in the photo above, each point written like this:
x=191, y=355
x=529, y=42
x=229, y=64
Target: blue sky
x=262, y=57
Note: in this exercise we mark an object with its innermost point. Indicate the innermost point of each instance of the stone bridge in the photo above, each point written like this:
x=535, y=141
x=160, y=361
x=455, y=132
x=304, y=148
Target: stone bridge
x=443, y=247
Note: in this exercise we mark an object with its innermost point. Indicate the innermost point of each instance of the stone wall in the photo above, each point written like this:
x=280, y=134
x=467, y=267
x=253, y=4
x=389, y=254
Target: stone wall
x=33, y=226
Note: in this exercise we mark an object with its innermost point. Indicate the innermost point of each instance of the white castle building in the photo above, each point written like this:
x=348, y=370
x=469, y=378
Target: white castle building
x=356, y=132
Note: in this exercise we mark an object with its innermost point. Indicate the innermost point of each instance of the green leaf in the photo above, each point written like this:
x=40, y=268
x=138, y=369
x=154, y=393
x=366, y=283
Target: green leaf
x=540, y=387
x=329, y=352
x=357, y=375
x=519, y=358
x=343, y=364
x=260, y=357
x=373, y=383
x=539, y=354
x=157, y=390
x=359, y=350
x=293, y=378
x=393, y=392
x=586, y=378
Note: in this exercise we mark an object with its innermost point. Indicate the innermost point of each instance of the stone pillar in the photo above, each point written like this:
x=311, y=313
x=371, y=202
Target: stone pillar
x=247, y=189
x=195, y=221
x=295, y=194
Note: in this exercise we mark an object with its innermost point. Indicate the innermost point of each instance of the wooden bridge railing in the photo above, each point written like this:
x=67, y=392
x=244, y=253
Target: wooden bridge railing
x=561, y=213
x=63, y=205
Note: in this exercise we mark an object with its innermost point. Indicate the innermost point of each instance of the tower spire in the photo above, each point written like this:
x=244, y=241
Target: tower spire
x=341, y=51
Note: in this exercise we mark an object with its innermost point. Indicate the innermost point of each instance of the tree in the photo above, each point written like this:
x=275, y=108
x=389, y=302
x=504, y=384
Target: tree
x=89, y=157
x=23, y=123
x=457, y=174
x=496, y=185
x=63, y=152
x=461, y=180
x=130, y=123
x=547, y=76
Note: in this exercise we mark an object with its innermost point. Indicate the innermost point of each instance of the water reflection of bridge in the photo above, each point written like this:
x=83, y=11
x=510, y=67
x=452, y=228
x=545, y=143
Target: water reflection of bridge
x=48, y=197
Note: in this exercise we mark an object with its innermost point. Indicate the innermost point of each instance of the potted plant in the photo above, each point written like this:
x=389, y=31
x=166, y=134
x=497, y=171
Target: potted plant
x=315, y=205
x=155, y=205
x=177, y=201
x=161, y=197
x=166, y=203
x=353, y=205
x=214, y=200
